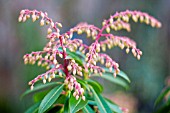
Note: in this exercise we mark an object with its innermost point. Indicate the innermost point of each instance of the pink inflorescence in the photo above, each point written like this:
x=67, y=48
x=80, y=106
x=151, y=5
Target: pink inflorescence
x=70, y=69
x=72, y=84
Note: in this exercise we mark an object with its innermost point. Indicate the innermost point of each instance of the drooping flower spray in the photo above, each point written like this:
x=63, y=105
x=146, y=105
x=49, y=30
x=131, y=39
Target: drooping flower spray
x=60, y=44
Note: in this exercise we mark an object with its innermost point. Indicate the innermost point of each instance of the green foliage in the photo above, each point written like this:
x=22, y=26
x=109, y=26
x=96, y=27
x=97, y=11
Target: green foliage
x=101, y=103
x=88, y=109
x=50, y=98
x=79, y=58
x=162, y=96
x=161, y=105
x=33, y=108
x=120, y=74
x=38, y=88
x=96, y=86
x=40, y=95
x=122, y=79
x=77, y=92
x=47, y=100
x=76, y=105
x=113, y=106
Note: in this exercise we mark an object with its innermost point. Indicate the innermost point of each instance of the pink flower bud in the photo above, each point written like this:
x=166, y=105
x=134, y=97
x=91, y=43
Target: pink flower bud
x=107, y=29
x=138, y=57
x=83, y=98
x=52, y=24
x=34, y=18
x=77, y=97
x=44, y=81
x=42, y=15
x=60, y=74
x=49, y=30
x=32, y=87
x=74, y=71
x=22, y=12
x=127, y=50
x=49, y=79
x=42, y=22
x=79, y=31
x=69, y=67
x=59, y=24
x=74, y=94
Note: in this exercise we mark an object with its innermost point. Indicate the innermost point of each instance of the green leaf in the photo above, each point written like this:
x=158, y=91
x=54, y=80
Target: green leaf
x=40, y=95
x=80, y=54
x=101, y=103
x=73, y=55
x=39, y=87
x=161, y=96
x=165, y=108
x=66, y=105
x=61, y=99
x=76, y=105
x=83, y=83
x=88, y=109
x=111, y=78
x=120, y=74
x=113, y=106
x=50, y=98
x=91, y=102
x=34, y=108
x=124, y=75
x=96, y=86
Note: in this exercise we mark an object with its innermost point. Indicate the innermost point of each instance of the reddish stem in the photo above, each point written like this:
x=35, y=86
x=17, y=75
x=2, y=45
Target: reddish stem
x=65, y=60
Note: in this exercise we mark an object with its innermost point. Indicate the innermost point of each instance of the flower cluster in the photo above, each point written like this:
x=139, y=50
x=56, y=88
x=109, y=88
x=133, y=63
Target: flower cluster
x=72, y=84
x=59, y=44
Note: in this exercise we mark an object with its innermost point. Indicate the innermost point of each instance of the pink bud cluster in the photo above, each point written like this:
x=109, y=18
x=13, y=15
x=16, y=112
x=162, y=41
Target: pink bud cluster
x=73, y=45
x=117, y=25
x=122, y=42
x=126, y=15
x=72, y=84
x=74, y=68
x=71, y=69
x=109, y=63
x=83, y=27
x=26, y=14
x=49, y=75
x=44, y=59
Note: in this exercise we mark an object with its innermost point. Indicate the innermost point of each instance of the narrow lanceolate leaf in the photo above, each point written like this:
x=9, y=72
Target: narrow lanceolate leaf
x=66, y=105
x=91, y=102
x=76, y=105
x=161, y=96
x=120, y=74
x=124, y=75
x=50, y=98
x=38, y=96
x=117, y=80
x=164, y=108
x=113, y=106
x=61, y=99
x=80, y=54
x=101, y=103
x=88, y=109
x=96, y=86
x=39, y=87
x=34, y=108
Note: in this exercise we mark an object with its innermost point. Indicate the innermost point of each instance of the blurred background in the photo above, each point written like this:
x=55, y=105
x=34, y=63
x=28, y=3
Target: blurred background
x=148, y=76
